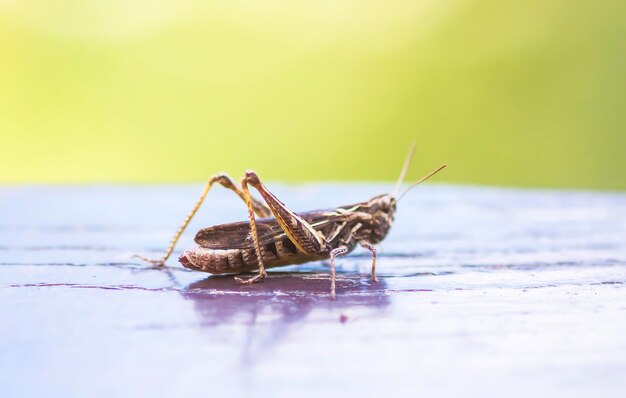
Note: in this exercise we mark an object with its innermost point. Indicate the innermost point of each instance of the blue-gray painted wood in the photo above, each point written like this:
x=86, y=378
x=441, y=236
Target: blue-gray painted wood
x=482, y=292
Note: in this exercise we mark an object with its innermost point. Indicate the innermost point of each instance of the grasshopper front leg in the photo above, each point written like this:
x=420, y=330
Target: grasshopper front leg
x=301, y=233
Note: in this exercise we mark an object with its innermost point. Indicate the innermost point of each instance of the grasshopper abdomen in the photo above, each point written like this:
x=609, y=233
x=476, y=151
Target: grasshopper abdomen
x=235, y=261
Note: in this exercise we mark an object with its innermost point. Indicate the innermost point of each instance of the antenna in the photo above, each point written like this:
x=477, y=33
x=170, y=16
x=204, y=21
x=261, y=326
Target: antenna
x=405, y=168
x=421, y=180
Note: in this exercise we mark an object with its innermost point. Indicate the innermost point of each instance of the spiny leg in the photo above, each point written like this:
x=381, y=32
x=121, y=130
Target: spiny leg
x=255, y=237
x=300, y=232
x=226, y=182
x=306, y=239
x=372, y=249
x=334, y=253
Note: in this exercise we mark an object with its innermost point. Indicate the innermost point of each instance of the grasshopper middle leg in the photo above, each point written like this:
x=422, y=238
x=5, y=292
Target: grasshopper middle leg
x=334, y=253
x=372, y=249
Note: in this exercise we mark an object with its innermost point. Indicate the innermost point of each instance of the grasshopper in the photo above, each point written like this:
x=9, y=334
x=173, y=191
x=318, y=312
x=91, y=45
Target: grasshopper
x=282, y=237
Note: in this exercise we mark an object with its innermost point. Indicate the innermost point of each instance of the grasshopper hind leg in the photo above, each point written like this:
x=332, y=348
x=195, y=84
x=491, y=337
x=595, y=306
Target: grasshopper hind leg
x=224, y=180
x=304, y=237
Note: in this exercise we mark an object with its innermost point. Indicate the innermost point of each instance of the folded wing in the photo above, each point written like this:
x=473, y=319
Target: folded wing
x=237, y=235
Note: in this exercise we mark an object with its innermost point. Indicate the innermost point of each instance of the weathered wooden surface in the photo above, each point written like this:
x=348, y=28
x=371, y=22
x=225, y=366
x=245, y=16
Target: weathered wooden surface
x=482, y=292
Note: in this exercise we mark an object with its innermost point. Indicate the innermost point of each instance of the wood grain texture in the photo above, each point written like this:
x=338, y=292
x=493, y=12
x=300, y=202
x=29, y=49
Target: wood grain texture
x=482, y=292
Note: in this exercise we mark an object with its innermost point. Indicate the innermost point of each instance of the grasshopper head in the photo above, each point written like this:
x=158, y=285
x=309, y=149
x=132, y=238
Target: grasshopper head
x=387, y=204
x=382, y=208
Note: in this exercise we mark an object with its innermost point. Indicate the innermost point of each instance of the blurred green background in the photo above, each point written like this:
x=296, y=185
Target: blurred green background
x=516, y=93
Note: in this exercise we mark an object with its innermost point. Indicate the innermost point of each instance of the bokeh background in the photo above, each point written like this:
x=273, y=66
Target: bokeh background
x=514, y=93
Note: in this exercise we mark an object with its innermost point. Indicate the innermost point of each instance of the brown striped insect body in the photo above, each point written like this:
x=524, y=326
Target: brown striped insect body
x=282, y=237
x=346, y=226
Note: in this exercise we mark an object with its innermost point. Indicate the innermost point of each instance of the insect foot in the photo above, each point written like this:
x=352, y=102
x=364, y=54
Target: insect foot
x=160, y=262
x=254, y=279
